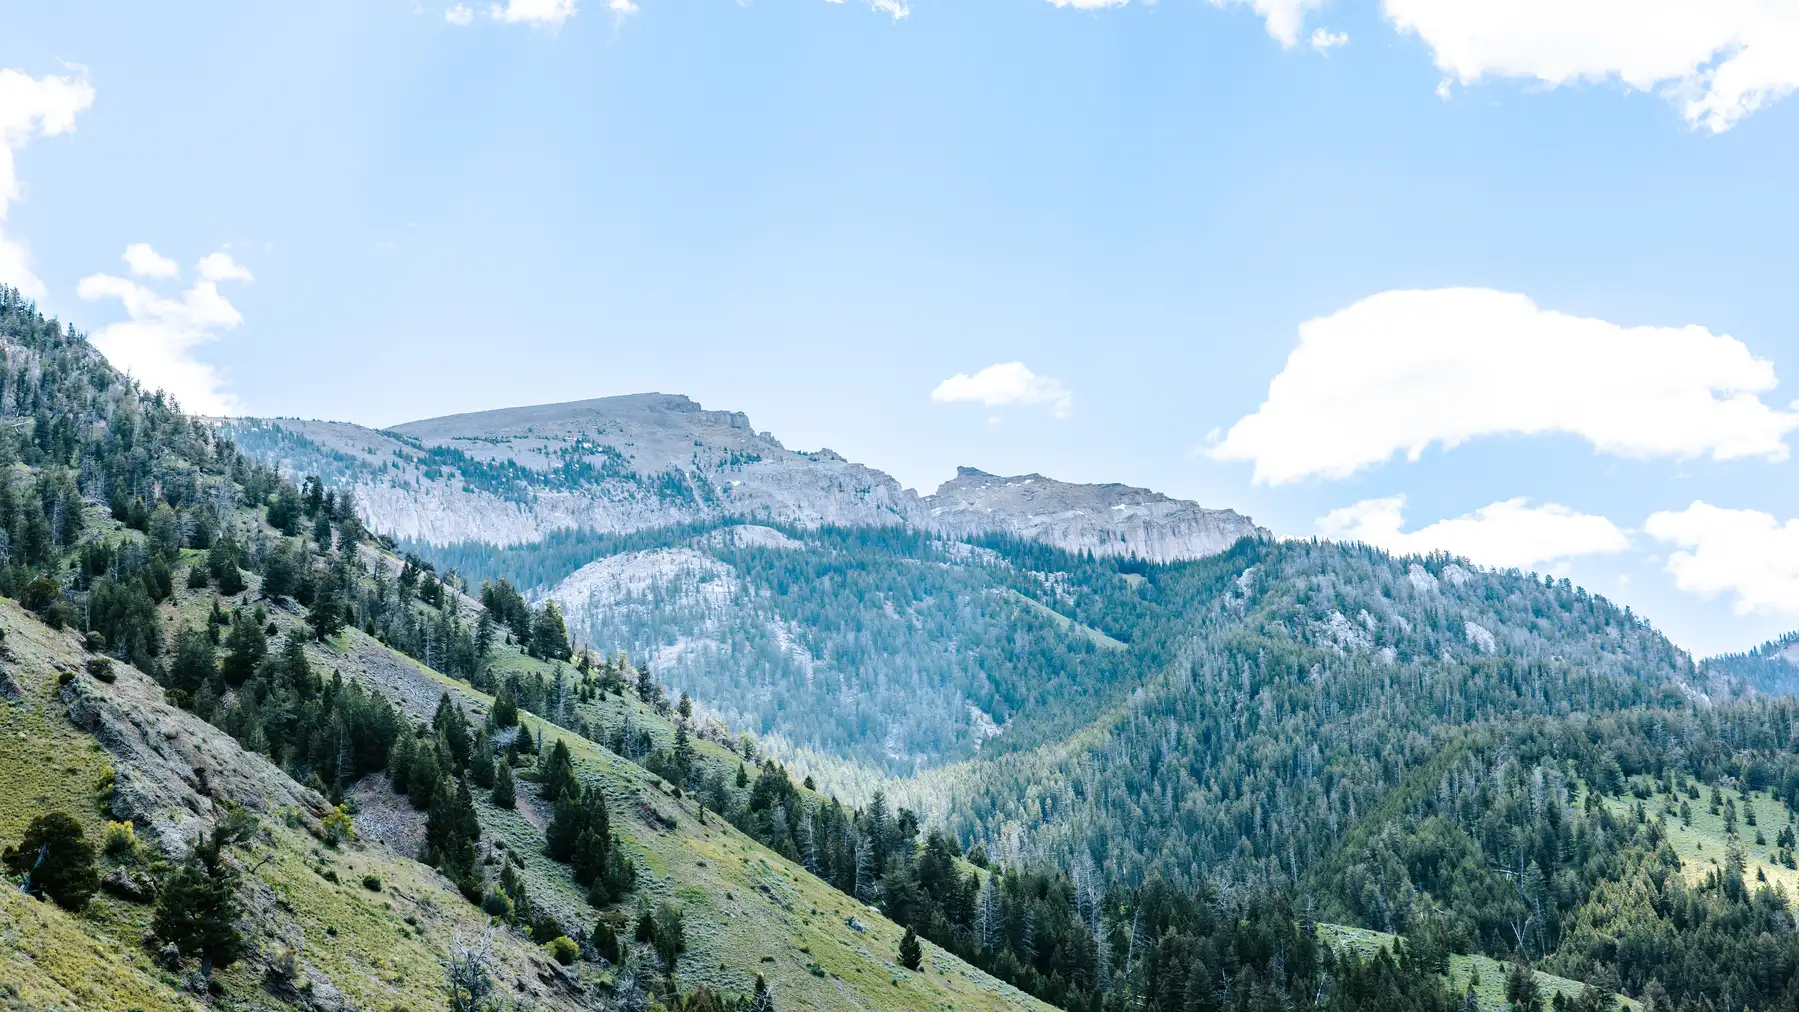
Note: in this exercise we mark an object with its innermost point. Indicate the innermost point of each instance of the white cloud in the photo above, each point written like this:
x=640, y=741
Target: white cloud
x=28, y=107
x=898, y=9
x=1746, y=553
x=1717, y=60
x=1284, y=18
x=1005, y=383
x=220, y=267
x=147, y=263
x=1504, y=534
x=536, y=12
x=460, y=15
x=157, y=343
x=1404, y=369
x=1323, y=39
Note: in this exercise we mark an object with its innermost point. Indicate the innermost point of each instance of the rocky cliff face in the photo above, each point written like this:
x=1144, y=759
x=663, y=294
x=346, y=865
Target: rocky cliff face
x=1107, y=519
x=620, y=464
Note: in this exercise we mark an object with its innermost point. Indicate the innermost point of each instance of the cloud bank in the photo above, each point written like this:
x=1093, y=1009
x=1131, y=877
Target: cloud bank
x=1510, y=533
x=1748, y=554
x=31, y=107
x=1005, y=383
x=1716, y=60
x=156, y=345
x=1403, y=370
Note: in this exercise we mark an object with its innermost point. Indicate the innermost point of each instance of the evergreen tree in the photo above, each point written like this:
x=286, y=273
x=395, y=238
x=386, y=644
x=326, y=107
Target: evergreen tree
x=54, y=859
x=762, y=1001
x=549, y=636
x=245, y=648
x=558, y=774
x=326, y=613
x=197, y=907
x=504, y=794
x=910, y=955
x=1521, y=991
x=505, y=709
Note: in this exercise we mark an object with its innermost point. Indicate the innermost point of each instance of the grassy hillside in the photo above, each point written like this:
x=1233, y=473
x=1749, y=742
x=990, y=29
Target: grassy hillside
x=1484, y=975
x=377, y=949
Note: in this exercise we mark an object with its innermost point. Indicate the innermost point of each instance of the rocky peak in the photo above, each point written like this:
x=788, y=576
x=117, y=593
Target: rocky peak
x=640, y=461
x=1108, y=519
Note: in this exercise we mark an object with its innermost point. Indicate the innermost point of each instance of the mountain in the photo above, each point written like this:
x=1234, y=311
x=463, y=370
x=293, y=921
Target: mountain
x=642, y=461
x=1771, y=668
x=252, y=756
x=226, y=782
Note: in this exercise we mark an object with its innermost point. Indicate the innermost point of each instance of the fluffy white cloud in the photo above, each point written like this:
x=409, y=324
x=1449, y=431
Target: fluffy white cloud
x=460, y=15
x=147, y=263
x=1323, y=39
x=536, y=12
x=1284, y=18
x=1404, y=369
x=1718, y=60
x=156, y=345
x=1005, y=383
x=30, y=106
x=1746, y=553
x=1503, y=534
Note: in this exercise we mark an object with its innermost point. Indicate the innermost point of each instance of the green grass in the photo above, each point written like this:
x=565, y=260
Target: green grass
x=1703, y=844
x=1490, y=973
x=1065, y=624
x=744, y=901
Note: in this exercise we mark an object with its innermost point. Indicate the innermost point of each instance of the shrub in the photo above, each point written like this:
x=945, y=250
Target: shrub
x=372, y=883
x=101, y=669
x=59, y=860
x=563, y=949
x=337, y=827
x=119, y=841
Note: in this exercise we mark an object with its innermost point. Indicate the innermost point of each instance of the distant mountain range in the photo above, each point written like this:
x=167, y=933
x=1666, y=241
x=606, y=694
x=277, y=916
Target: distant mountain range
x=621, y=464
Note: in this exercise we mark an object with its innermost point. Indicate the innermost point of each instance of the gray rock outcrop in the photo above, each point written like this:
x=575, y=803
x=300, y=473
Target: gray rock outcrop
x=620, y=464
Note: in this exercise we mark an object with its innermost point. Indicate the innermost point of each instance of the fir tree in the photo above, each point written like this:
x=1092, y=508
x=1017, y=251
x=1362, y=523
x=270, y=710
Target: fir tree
x=910, y=955
x=54, y=859
x=197, y=907
x=504, y=794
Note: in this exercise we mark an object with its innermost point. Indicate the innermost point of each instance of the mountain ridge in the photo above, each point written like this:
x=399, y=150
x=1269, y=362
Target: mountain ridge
x=511, y=476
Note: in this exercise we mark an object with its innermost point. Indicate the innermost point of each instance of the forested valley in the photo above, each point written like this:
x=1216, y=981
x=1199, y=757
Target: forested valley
x=1294, y=775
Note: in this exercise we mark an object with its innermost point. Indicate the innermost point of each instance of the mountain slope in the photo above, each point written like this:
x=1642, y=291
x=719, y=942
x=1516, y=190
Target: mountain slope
x=641, y=461
x=163, y=683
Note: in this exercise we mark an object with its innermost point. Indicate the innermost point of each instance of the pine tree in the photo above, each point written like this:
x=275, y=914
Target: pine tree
x=1521, y=990
x=326, y=612
x=54, y=859
x=559, y=778
x=197, y=907
x=245, y=649
x=504, y=794
x=911, y=957
x=762, y=1001
x=505, y=709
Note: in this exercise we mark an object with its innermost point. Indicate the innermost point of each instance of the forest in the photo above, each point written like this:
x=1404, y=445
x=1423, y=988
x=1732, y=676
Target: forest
x=1285, y=737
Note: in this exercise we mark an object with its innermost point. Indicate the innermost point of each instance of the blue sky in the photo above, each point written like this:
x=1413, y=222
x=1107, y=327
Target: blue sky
x=821, y=213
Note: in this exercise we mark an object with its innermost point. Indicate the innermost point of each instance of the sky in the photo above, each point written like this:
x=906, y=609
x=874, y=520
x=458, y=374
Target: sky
x=1509, y=278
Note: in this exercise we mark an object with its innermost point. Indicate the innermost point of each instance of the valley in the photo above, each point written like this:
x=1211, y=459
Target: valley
x=622, y=705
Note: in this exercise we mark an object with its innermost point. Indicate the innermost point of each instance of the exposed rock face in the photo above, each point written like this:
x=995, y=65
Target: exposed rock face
x=620, y=464
x=1103, y=519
